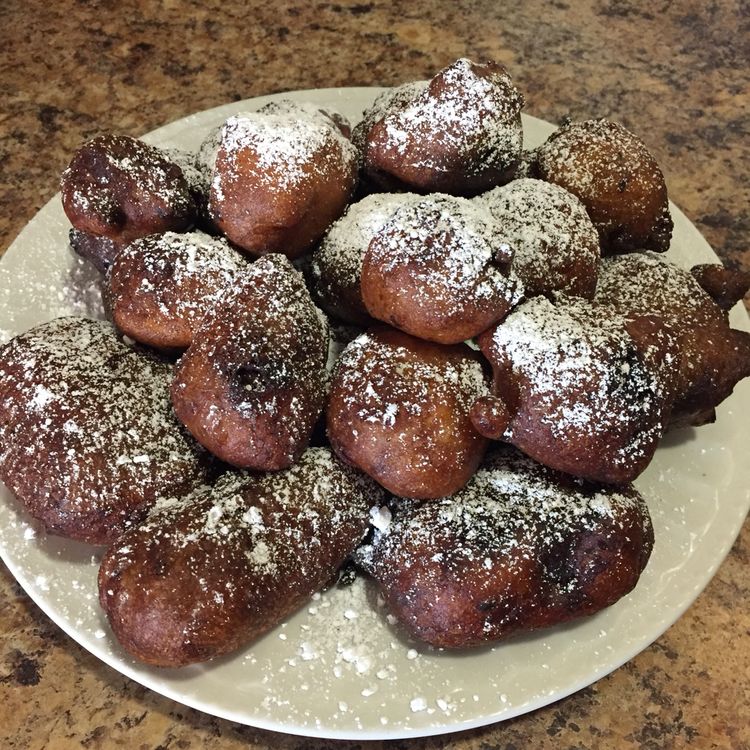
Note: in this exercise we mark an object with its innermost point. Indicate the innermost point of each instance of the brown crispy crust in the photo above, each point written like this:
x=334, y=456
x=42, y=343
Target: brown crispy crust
x=399, y=410
x=610, y=170
x=89, y=441
x=208, y=573
x=251, y=385
x=121, y=188
x=490, y=562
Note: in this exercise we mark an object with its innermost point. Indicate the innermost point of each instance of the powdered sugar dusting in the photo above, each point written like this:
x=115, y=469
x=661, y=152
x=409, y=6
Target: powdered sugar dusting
x=282, y=147
x=337, y=262
x=473, y=116
x=556, y=245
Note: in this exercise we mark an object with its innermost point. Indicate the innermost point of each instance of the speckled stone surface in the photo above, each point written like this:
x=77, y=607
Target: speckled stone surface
x=675, y=72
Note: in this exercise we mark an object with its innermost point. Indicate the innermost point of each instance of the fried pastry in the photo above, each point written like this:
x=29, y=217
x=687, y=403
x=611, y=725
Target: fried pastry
x=399, y=410
x=582, y=390
x=88, y=440
x=610, y=170
x=122, y=188
x=208, y=573
x=279, y=179
x=160, y=287
x=438, y=270
x=337, y=262
x=519, y=548
x=460, y=134
x=252, y=383
x=555, y=245
x=711, y=357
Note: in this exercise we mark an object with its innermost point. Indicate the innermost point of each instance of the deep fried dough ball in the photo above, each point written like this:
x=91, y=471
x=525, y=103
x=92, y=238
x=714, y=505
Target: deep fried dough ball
x=711, y=356
x=518, y=549
x=208, y=573
x=399, y=410
x=613, y=174
x=461, y=134
x=280, y=178
x=251, y=385
x=337, y=262
x=160, y=287
x=586, y=391
x=438, y=270
x=122, y=188
x=556, y=247
x=88, y=440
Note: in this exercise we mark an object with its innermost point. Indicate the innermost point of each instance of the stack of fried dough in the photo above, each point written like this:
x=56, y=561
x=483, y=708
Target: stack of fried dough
x=413, y=322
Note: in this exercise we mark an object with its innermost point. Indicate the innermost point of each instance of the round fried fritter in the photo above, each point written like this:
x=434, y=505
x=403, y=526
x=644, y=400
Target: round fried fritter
x=518, y=549
x=399, y=410
x=208, y=573
x=711, y=356
x=586, y=391
x=160, y=287
x=251, y=385
x=610, y=170
x=122, y=188
x=337, y=262
x=438, y=270
x=555, y=245
x=461, y=134
x=280, y=179
x=88, y=440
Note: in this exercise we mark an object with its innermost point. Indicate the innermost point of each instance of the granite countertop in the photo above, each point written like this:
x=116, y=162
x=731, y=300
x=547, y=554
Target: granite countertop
x=675, y=72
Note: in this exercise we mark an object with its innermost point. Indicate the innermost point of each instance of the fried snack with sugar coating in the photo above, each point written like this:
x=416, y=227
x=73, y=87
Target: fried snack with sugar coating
x=88, y=439
x=610, y=170
x=518, y=549
x=711, y=357
x=580, y=389
x=459, y=134
x=160, y=287
x=122, y=188
x=252, y=384
x=555, y=245
x=208, y=573
x=280, y=178
x=438, y=270
x=399, y=410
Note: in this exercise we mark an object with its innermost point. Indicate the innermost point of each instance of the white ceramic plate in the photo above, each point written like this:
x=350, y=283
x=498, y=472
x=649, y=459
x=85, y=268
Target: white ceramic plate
x=338, y=668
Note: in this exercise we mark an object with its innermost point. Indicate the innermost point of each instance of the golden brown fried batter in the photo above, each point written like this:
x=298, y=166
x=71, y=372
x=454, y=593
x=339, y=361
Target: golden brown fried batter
x=251, y=385
x=280, y=178
x=518, y=549
x=585, y=391
x=88, y=440
x=438, y=270
x=399, y=410
x=208, y=573
x=160, y=287
x=122, y=188
x=610, y=170
x=459, y=134
x=555, y=245
x=711, y=356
